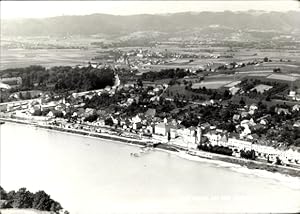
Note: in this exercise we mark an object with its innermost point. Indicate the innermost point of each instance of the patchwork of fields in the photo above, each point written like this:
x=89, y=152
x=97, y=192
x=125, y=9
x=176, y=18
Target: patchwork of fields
x=211, y=84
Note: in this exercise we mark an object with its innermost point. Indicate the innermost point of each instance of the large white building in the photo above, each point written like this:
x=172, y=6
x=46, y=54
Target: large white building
x=161, y=129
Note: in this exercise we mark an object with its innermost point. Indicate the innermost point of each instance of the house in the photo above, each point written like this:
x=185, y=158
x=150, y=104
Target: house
x=244, y=114
x=137, y=125
x=136, y=119
x=50, y=114
x=150, y=129
x=173, y=132
x=296, y=107
x=263, y=122
x=161, y=129
x=129, y=101
x=205, y=126
x=89, y=112
x=4, y=86
x=236, y=117
x=252, y=109
x=49, y=106
x=3, y=107
x=34, y=109
x=181, y=142
x=150, y=112
x=297, y=124
x=215, y=138
x=234, y=90
x=100, y=121
x=60, y=107
x=115, y=120
x=240, y=144
x=282, y=110
x=248, y=122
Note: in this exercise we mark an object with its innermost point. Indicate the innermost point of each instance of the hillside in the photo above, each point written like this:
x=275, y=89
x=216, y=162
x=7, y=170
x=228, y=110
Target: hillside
x=169, y=23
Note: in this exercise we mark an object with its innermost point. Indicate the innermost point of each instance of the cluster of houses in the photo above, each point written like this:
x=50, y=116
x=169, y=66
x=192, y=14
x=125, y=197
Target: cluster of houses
x=295, y=95
x=148, y=125
x=222, y=138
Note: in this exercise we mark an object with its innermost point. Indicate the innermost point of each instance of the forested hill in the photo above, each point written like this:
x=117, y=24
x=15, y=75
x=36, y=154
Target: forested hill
x=112, y=24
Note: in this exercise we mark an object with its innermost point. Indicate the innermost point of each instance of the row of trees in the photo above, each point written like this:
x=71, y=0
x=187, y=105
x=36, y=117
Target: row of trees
x=172, y=73
x=26, y=199
x=213, y=93
x=272, y=93
x=216, y=149
x=248, y=154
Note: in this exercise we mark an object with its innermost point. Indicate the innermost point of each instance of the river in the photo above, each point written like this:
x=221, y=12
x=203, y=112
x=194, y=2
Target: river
x=89, y=175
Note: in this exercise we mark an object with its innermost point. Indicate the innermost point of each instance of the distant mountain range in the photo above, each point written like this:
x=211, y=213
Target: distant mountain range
x=167, y=23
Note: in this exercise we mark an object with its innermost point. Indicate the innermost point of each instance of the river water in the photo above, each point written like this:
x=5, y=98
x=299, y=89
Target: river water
x=89, y=175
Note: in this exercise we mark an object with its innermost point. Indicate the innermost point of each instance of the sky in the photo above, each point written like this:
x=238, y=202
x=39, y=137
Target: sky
x=42, y=9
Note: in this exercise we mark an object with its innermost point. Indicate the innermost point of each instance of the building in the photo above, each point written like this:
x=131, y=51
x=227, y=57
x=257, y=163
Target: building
x=216, y=138
x=282, y=111
x=240, y=144
x=296, y=107
x=137, y=125
x=161, y=129
x=3, y=107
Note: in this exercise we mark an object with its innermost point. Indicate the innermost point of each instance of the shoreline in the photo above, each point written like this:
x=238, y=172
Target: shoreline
x=217, y=159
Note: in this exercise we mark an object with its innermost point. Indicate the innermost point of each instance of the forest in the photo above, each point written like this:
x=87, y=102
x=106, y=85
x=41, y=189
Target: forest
x=61, y=78
x=165, y=74
x=24, y=199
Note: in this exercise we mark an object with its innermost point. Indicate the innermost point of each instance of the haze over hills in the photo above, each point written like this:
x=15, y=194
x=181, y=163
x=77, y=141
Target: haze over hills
x=167, y=23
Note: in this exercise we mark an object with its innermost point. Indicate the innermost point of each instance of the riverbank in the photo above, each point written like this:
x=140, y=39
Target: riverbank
x=23, y=211
x=105, y=136
x=250, y=164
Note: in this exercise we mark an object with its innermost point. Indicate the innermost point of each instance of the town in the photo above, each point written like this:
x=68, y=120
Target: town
x=226, y=110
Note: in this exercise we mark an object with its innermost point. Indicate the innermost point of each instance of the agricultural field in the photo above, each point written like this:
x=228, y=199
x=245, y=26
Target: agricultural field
x=17, y=58
x=180, y=90
x=284, y=77
x=211, y=84
x=234, y=83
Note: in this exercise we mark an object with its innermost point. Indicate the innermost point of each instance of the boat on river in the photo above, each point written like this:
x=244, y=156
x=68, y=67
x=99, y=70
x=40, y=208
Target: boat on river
x=135, y=154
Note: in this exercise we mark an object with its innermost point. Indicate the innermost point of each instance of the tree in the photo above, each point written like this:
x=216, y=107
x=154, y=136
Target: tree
x=21, y=96
x=226, y=94
x=109, y=121
x=27, y=95
x=37, y=112
x=140, y=83
x=25, y=199
x=91, y=118
x=242, y=102
x=58, y=114
x=3, y=194
x=22, y=199
x=41, y=201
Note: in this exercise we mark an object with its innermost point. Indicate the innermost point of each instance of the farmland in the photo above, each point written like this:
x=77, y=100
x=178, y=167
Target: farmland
x=17, y=58
x=210, y=84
